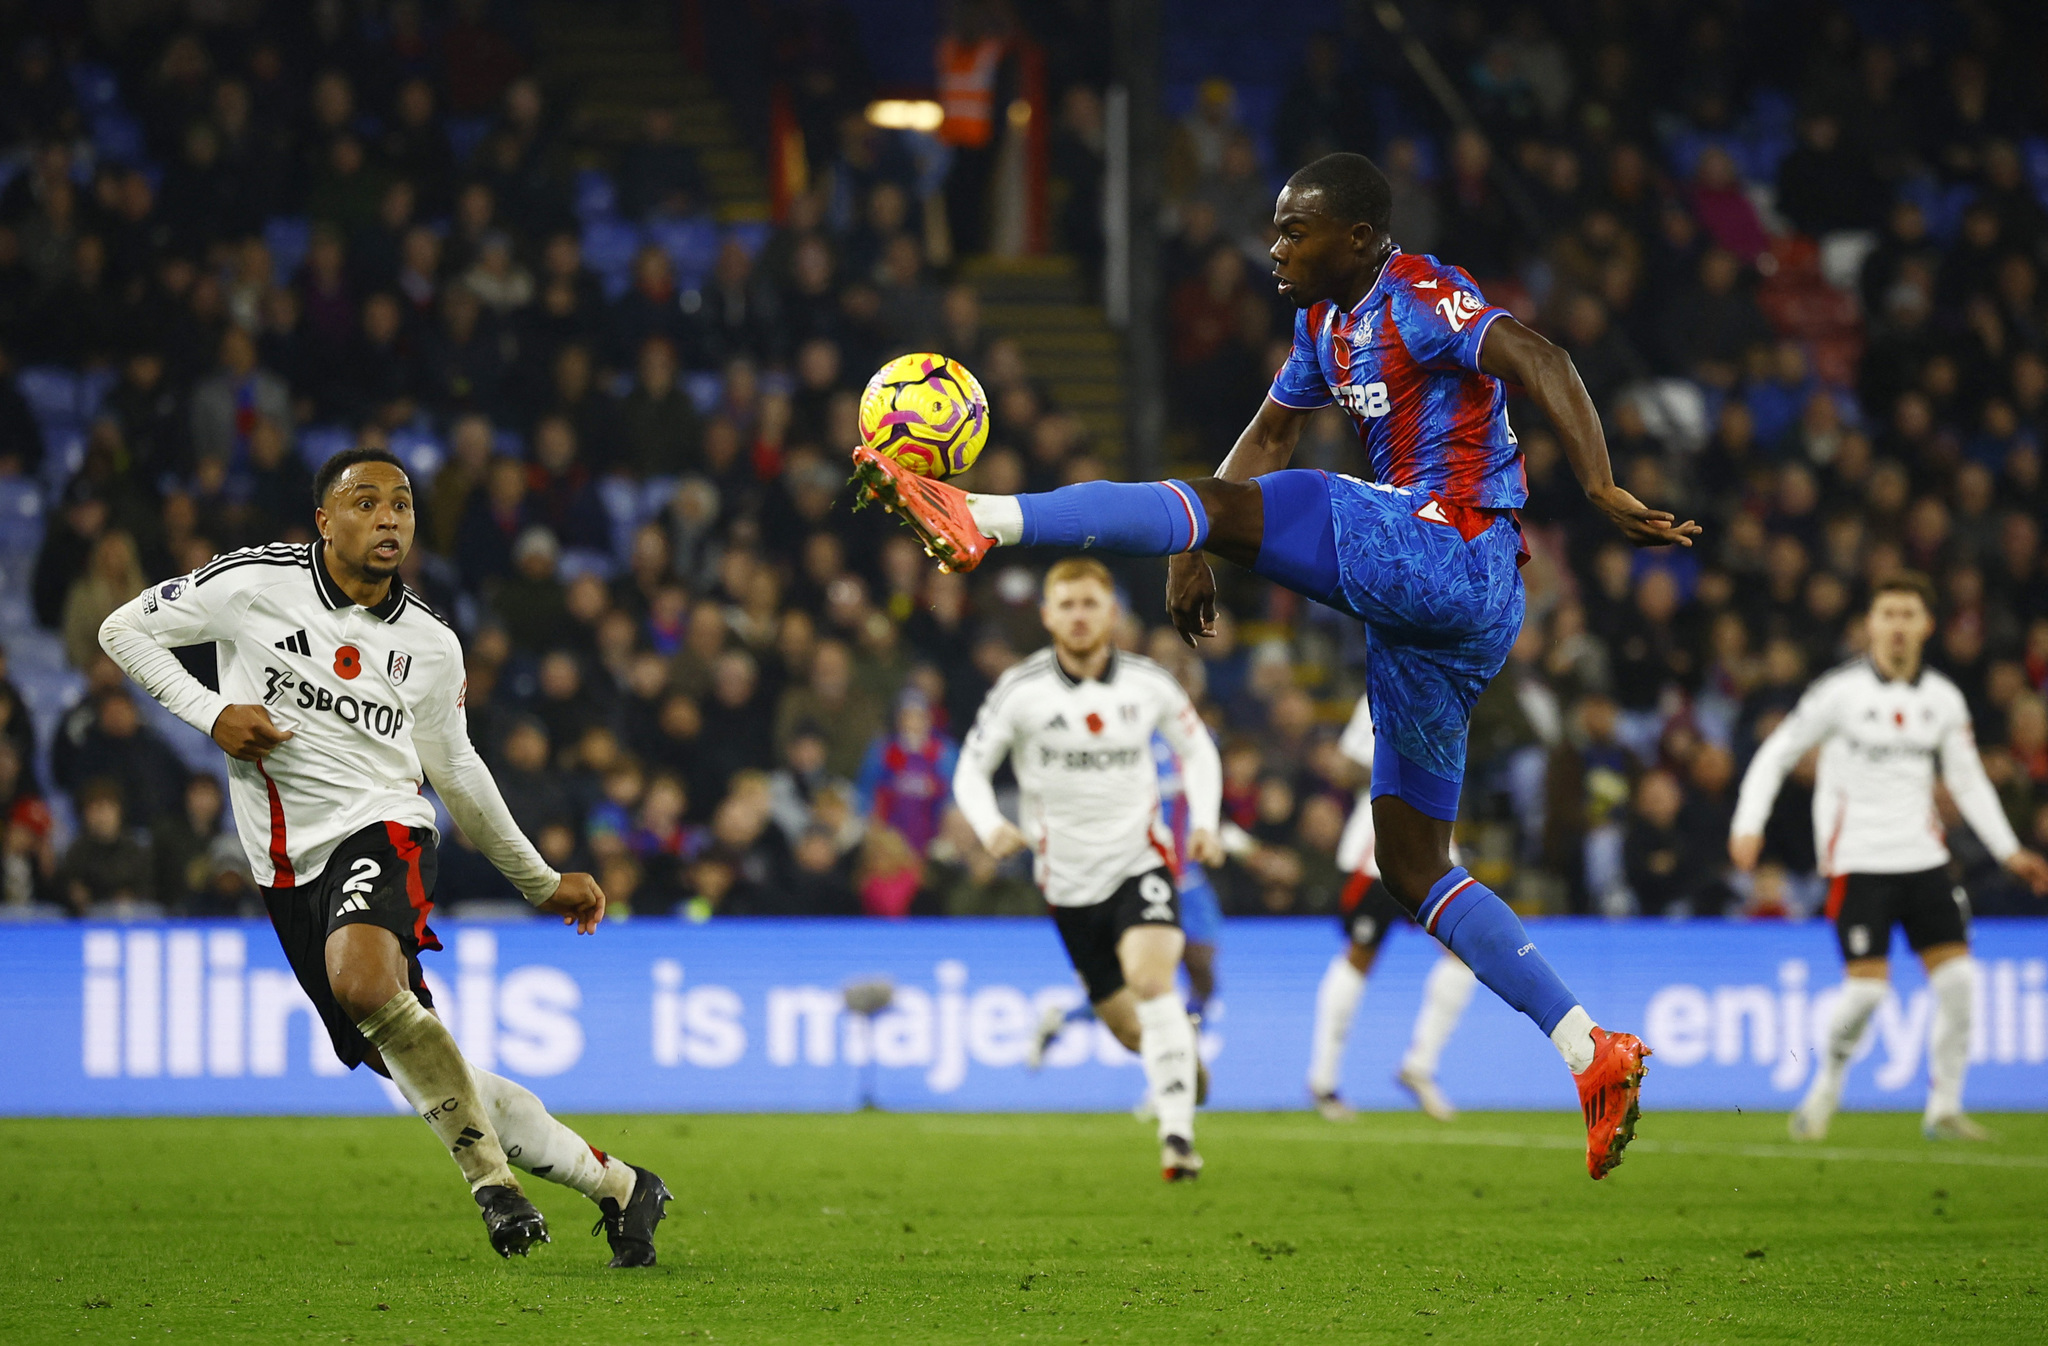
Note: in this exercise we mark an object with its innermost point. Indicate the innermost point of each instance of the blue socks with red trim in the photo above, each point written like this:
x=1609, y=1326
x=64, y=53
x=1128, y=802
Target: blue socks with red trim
x=1472, y=922
x=1143, y=518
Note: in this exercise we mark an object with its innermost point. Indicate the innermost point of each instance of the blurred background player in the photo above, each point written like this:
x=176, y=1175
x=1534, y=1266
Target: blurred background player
x=1882, y=722
x=1369, y=914
x=1076, y=721
x=1427, y=556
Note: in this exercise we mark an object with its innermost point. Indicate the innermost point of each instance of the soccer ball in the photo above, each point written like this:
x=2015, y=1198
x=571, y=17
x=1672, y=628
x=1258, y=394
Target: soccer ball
x=926, y=412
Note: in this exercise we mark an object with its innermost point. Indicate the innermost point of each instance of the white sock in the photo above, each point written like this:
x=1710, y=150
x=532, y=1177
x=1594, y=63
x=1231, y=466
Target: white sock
x=1337, y=998
x=1857, y=1001
x=1948, y=1046
x=999, y=517
x=1573, y=1038
x=428, y=1069
x=542, y=1146
x=1166, y=1043
x=1445, y=994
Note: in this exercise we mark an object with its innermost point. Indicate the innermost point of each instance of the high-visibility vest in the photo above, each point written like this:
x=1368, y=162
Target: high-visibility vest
x=967, y=90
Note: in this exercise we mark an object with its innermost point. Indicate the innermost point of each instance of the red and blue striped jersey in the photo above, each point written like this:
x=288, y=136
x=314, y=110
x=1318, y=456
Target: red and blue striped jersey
x=1404, y=363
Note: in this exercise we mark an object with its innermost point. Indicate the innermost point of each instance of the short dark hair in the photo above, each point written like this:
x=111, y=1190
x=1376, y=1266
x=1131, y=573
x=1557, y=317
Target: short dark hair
x=1352, y=188
x=1904, y=582
x=324, y=479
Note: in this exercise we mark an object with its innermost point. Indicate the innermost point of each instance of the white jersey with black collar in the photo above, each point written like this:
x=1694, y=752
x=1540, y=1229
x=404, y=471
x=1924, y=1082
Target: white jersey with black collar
x=1082, y=753
x=373, y=698
x=1873, y=795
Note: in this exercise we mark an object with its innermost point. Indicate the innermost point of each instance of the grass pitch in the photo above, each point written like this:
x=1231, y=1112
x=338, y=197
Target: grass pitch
x=1048, y=1228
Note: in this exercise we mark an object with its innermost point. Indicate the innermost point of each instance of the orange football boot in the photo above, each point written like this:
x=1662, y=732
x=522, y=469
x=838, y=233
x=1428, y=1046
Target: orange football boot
x=936, y=512
x=1609, y=1091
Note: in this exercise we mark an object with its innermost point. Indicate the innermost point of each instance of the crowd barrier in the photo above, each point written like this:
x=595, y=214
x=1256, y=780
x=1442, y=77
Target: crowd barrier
x=204, y=1017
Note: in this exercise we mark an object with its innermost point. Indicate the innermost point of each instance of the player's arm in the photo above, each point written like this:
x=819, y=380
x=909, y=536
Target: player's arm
x=974, y=791
x=1267, y=445
x=1962, y=770
x=1810, y=722
x=466, y=786
x=141, y=633
x=1512, y=352
x=1201, y=774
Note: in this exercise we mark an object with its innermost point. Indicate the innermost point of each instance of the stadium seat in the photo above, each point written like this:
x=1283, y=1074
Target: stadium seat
x=655, y=493
x=93, y=387
x=691, y=245
x=508, y=444
x=117, y=137
x=597, y=197
x=621, y=500
x=752, y=235
x=609, y=245
x=95, y=86
x=318, y=443
x=63, y=450
x=577, y=562
x=705, y=390
x=288, y=237
x=51, y=392
x=21, y=517
x=465, y=134
x=421, y=453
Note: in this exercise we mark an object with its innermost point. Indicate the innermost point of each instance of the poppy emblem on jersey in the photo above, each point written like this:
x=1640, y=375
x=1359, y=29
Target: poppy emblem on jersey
x=1094, y=723
x=397, y=667
x=348, y=662
x=172, y=590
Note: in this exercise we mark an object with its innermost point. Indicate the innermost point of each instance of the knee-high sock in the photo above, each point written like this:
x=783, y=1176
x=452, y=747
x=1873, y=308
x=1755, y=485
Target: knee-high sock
x=1473, y=923
x=1948, y=1046
x=1856, y=1002
x=1445, y=994
x=535, y=1142
x=1141, y=518
x=1343, y=986
x=1166, y=1044
x=428, y=1069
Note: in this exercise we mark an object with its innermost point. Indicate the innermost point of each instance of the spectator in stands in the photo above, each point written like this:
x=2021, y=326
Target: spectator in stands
x=200, y=867
x=906, y=779
x=561, y=488
x=528, y=602
x=226, y=405
x=494, y=518
x=660, y=434
x=107, y=869
x=112, y=576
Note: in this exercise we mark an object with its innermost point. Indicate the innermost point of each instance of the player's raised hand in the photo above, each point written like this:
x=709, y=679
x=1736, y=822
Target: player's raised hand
x=1191, y=596
x=578, y=901
x=247, y=733
x=2031, y=867
x=1004, y=842
x=1641, y=525
x=1744, y=850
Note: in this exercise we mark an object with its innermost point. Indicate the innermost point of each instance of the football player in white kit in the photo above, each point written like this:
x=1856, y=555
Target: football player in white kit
x=341, y=693
x=1882, y=723
x=1369, y=914
x=1076, y=721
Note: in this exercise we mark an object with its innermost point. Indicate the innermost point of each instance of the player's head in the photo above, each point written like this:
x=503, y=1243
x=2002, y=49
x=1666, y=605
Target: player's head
x=363, y=507
x=1332, y=217
x=1079, y=609
x=1901, y=618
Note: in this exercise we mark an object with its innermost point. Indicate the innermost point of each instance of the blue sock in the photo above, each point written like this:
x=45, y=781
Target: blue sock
x=1143, y=518
x=1473, y=923
x=1080, y=1014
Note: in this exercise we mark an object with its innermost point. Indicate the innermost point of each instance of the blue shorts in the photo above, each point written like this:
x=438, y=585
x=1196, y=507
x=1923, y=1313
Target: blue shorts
x=1441, y=613
x=1201, y=914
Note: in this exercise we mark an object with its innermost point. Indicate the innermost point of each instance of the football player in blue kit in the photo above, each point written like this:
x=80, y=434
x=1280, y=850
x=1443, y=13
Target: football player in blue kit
x=1427, y=555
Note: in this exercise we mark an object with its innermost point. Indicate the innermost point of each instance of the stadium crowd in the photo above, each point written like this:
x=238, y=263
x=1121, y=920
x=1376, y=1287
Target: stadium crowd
x=1799, y=271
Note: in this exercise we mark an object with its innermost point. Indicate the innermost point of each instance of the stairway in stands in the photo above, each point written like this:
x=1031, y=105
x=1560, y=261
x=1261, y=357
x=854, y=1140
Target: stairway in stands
x=1067, y=343
x=614, y=70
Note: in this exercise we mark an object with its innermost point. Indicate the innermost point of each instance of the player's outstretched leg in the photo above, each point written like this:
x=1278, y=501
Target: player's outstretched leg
x=1053, y=1022
x=1858, y=999
x=631, y=1200
x=1337, y=999
x=1445, y=994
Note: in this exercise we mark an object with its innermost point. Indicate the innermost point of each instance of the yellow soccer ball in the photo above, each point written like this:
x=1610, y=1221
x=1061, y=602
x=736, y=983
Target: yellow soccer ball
x=926, y=412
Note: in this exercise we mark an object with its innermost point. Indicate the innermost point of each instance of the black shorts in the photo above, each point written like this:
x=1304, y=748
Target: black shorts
x=381, y=876
x=1091, y=933
x=1369, y=913
x=1864, y=907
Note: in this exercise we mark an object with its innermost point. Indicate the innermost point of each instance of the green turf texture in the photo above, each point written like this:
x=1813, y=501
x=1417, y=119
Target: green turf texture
x=1043, y=1228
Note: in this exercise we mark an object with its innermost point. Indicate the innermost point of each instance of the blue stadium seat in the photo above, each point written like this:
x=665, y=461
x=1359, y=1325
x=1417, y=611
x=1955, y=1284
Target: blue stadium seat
x=706, y=390
x=95, y=86
x=655, y=493
x=93, y=387
x=621, y=499
x=63, y=451
x=508, y=443
x=288, y=237
x=117, y=137
x=609, y=245
x=597, y=197
x=51, y=392
x=691, y=245
x=577, y=562
x=421, y=453
x=21, y=516
x=465, y=134
x=752, y=235
x=318, y=443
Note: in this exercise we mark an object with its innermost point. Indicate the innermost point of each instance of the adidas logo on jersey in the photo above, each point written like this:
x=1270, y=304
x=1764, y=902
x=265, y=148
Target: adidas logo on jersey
x=1057, y=722
x=295, y=643
x=353, y=904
